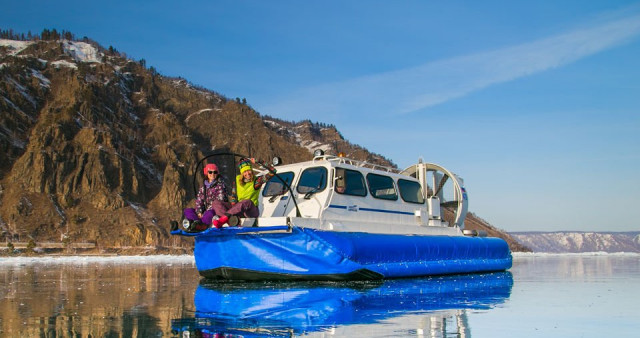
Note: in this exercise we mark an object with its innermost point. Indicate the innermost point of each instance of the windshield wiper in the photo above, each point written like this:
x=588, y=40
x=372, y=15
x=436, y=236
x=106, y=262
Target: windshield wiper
x=311, y=192
x=273, y=198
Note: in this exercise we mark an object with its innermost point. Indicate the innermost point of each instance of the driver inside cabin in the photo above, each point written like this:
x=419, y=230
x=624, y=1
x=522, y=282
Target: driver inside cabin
x=340, y=181
x=349, y=182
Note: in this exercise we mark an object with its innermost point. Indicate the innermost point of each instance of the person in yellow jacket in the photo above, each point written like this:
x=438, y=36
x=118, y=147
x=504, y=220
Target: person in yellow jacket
x=245, y=192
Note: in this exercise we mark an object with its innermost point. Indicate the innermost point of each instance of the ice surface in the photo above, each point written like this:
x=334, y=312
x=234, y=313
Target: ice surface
x=553, y=295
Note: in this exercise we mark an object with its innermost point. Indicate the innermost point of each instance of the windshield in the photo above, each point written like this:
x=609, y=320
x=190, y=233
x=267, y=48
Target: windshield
x=275, y=187
x=313, y=180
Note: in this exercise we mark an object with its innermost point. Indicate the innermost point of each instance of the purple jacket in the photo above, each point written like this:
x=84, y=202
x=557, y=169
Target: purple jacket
x=206, y=195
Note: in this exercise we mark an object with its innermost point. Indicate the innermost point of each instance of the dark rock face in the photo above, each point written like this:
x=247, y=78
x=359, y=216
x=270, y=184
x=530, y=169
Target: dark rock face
x=95, y=147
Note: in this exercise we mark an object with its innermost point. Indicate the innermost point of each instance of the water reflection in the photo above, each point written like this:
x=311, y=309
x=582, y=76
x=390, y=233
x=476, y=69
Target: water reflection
x=556, y=296
x=431, y=306
x=94, y=299
x=575, y=267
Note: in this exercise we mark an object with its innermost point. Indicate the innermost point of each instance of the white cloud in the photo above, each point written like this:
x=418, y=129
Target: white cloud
x=433, y=83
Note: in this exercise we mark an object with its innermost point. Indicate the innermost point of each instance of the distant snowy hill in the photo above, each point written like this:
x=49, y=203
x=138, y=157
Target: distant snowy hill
x=558, y=242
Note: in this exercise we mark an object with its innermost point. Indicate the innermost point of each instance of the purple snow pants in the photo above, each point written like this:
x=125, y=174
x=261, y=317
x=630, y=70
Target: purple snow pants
x=244, y=208
x=192, y=215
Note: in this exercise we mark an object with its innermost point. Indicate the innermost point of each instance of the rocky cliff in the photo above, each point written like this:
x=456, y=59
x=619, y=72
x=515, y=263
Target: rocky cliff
x=95, y=147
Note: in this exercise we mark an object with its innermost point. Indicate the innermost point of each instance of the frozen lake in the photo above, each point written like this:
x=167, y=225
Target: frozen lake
x=542, y=295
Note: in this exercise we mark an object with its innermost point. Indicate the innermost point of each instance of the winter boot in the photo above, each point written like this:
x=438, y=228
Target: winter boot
x=218, y=222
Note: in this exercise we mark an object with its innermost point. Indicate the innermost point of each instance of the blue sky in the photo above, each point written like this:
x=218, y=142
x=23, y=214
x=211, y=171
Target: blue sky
x=535, y=104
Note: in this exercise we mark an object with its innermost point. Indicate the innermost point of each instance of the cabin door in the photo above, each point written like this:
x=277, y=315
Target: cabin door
x=275, y=197
x=311, y=192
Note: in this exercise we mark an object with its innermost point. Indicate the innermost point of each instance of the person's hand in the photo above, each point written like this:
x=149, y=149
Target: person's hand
x=253, y=160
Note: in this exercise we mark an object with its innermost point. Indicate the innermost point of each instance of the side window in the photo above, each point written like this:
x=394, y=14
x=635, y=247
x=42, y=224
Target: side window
x=350, y=182
x=275, y=187
x=312, y=180
x=382, y=187
x=410, y=191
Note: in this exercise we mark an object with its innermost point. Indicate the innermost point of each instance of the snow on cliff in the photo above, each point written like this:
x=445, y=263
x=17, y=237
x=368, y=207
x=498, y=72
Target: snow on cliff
x=14, y=47
x=81, y=51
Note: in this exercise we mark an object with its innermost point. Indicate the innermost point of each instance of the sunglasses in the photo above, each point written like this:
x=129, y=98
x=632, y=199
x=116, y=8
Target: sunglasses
x=212, y=172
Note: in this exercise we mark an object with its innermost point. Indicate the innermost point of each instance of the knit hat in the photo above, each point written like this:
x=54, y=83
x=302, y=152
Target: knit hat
x=209, y=167
x=244, y=166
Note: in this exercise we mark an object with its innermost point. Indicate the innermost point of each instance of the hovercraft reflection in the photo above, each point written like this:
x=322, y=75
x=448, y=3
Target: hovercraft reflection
x=333, y=218
x=276, y=309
